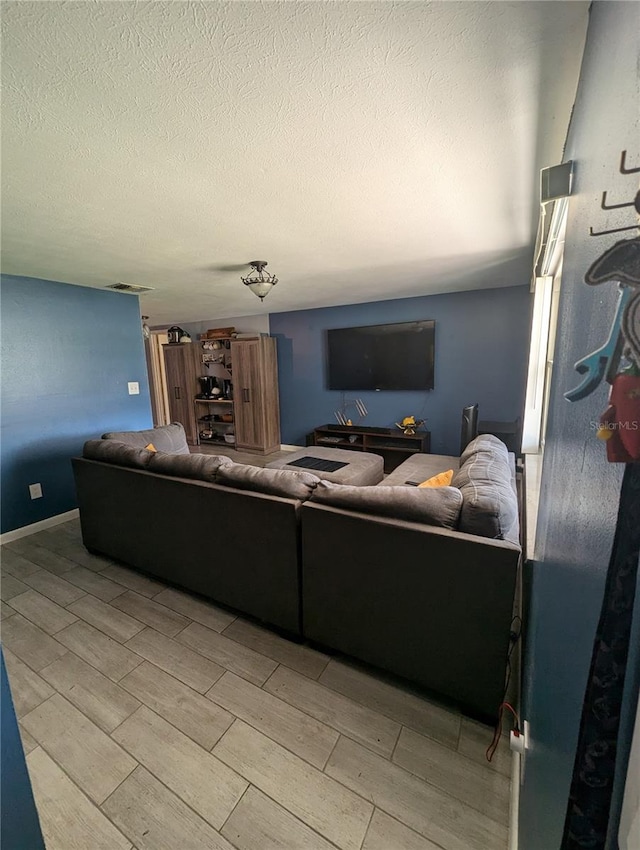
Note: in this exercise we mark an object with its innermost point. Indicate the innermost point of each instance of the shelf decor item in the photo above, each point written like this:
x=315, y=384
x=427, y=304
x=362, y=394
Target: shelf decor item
x=409, y=425
x=174, y=334
x=218, y=333
x=357, y=403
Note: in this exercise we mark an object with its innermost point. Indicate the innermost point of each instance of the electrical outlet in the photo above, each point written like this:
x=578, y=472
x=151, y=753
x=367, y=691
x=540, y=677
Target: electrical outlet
x=516, y=742
x=35, y=491
x=134, y=388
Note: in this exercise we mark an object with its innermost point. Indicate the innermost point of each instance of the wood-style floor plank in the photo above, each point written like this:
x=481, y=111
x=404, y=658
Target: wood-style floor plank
x=11, y=586
x=91, y=759
x=54, y=587
x=69, y=820
x=298, y=732
x=15, y=564
x=29, y=643
x=114, y=623
x=477, y=786
x=156, y=819
x=94, y=583
x=257, y=823
x=49, y=538
x=162, y=619
x=429, y=811
x=191, y=712
x=206, y=784
x=198, y=610
x=49, y=616
x=229, y=654
x=176, y=660
x=296, y=656
x=386, y=833
x=46, y=558
x=474, y=741
x=370, y=728
x=28, y=689
x=6, y=611
x=391, y=700
x=326, y=806
x=98, y=650
x=133, y=580
x=18, y=546
x=99, y=698
x=29, y=743
x=64, y=545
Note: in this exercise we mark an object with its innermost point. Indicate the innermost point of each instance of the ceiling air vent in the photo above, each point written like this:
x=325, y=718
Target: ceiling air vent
x=129, y=287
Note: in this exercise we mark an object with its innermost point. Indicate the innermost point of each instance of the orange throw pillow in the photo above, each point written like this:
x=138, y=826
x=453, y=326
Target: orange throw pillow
x=443, y=479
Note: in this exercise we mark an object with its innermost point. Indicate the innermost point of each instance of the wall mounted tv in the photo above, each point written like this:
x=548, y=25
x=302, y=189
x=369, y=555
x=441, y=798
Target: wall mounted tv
x=382, y=357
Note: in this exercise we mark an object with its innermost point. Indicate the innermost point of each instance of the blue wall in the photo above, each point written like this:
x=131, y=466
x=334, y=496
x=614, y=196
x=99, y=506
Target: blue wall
x=19, y=825
x=482, y=339
x=580, y=490
x=67, y=355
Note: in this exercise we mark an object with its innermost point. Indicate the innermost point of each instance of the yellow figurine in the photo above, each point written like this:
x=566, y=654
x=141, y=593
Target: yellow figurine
x=409, y=425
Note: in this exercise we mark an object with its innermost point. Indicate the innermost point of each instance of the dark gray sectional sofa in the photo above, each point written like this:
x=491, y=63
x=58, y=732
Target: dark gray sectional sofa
x=390, y=574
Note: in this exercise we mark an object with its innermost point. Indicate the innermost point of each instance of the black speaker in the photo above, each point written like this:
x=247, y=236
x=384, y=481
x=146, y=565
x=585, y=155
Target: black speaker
x=469, y=428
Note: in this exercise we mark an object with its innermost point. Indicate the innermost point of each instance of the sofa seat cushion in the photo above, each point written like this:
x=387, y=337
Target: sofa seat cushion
x=273, y=482
x=418, y=468
x=432, y=506
x=166, y=438
x=122, y=454
x=198, y=466
x=490, y=502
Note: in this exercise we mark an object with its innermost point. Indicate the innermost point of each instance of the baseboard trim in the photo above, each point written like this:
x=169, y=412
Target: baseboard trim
x=514, y=800
x=285, y=447
x=43, y=524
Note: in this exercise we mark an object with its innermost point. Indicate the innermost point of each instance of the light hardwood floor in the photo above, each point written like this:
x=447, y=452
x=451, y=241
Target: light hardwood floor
x=154, y=720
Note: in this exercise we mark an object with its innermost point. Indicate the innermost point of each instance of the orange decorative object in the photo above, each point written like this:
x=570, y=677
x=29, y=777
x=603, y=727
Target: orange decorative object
x=621, y=420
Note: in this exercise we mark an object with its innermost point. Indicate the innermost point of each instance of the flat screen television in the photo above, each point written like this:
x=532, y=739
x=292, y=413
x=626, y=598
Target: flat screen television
x=382, y=357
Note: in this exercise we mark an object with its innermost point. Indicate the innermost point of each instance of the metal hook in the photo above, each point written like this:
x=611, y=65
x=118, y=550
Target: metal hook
x=623, y=165
x=602, y=364
x=593, y=232
x=606, y=206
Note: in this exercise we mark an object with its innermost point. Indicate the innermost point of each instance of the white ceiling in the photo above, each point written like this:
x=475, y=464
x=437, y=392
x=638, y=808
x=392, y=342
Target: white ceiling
x=367, y=150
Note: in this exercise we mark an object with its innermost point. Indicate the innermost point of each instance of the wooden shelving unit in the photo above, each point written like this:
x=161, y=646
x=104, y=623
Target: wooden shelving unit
x=393, y=446
x=217, y=428
x=251, y=365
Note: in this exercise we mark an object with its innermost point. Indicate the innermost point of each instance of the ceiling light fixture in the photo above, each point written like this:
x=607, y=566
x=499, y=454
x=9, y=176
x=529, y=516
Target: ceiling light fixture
x=258, y=280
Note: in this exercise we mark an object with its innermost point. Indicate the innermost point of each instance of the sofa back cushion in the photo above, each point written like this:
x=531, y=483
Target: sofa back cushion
x=485, y=479
x=198, y=466
x=440, y=507
x=485, y=443
x=111, y=451
x=273, y=482
x=165, y=438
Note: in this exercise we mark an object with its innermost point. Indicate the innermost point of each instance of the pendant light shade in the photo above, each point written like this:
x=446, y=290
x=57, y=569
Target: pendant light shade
x=258, y=280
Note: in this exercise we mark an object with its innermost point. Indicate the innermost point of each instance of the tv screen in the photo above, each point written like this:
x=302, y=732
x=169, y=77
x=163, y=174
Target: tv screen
x=382, y=357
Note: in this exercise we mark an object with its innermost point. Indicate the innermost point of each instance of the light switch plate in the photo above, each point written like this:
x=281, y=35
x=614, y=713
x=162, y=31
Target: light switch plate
x=35, y=491
x=134, y=388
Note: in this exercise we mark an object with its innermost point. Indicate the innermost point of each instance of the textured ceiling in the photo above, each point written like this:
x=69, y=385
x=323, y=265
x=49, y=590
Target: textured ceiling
x=366, y=150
